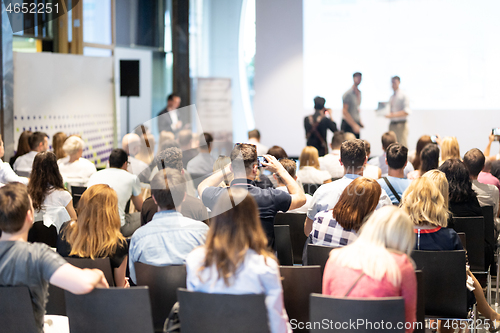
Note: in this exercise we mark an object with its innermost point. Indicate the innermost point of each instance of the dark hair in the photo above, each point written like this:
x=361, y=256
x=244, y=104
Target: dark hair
x=356, y=74
x=388, y=138
x=254, y=134
x=14, y=205
x=396, y=78
x=57, y=144
x=397, y=156
x=429, y=158
x=495, y=169
x=243, y=154
x=474, y=161
x=277, y=152
x=117, y=158
x=353, y=155
x=421, y=143
x=319, y=103
x=169, y=158
x=206, y=140
x=460, y=186
x=35, y=139
x=45, y=177
x=368, y=147
x=168, y=188
x=290, y=166
x=172, y=96
x=168, y=143
x=337, y=139
x=23, y=146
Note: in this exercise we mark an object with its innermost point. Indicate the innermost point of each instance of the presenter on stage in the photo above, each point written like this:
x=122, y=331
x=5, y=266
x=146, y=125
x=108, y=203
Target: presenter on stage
x=168, y=119
x=400, y=110
x=351, y=122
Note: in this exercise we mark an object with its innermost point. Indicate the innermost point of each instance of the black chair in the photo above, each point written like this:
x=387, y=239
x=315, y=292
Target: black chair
x=420, y=302
x=318, y=255
x=16, y=310
x=124, y=310
x=340, y=312
x=222, y=313
x=76, y=193
x=163, y=282
x=39, y=233
x=444, y=282
x=298, y=283
x=473, y=227
x=489, y=237
x=310, y=188
x=283, y=245
x=23, y=173
x=296, y=223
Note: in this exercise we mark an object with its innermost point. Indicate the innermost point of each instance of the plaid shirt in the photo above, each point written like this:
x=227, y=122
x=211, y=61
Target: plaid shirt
x=327, y=231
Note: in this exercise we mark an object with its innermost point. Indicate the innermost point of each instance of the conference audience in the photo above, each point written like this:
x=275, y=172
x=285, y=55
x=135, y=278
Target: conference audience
x=254, y=139
x=486, y=176
x=131, y=143
x=414, y=156
x=96, y=233
x=395, y=183
x=371, y=171
x=309, y=171
x=387, y=139
x=331, y=162
x=449, y=149
x=38, y=142
x=127, y=188
x=35, y=265
x=7, y=175
x=291, y=167
x=23, y=147
x=186, y=144
x=57, y=144
x=219, y=165
x=429, y=160
x=75, y=169
x=169, y=237
x=236, y=259
x=377, y=264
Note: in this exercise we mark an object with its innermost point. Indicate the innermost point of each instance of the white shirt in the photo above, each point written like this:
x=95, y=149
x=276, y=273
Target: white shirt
x=53, y=210
x=123, y=182
x=311, y=175
x=261, y=149
x=76, y=173
x=487, y=195
x=301, y=210
x=24, y=163
x=136, y=166
x=331, y=163
x=399, y=102
x=7, y=175
x=370, y=171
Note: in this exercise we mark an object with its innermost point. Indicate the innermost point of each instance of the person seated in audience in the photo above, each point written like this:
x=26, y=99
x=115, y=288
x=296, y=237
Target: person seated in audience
x=236, y=259
x=488, y=149
x=131, y=143
x=7, y=175
x=96, y=233
x=202, y=164
x=486, y=177
x=57, y=144
x=166, y=136
x=429, y=160
x=147, y=144
x=219, y=165
x=331, y=162
x=449, y=149
x=387, y=139
x=75, y=169
x=495, y=169
x=23, y=147
x=309, y=172
x=38, y=142
x=291, y=167
x=127, y=188
x=254, y=139
x=192, y=207
x=371, y=171
x=186, y=144
x=353, y=159
x=426, y=206
x=169, y=237
x=395, y=183
x=340, y=226
x=244, y=166
x=46, y=188
x=377, y=264
x=439, y=179
x=414, y=156
x=34, y=265
x=277, y=152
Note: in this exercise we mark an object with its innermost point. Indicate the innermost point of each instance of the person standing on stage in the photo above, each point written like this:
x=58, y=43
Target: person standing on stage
x=171, y=121
x=400, y=109
x=351, y=122
x=317, y=125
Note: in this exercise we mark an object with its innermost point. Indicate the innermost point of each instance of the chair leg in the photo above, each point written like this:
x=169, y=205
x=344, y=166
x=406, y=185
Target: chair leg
x=497, y=278
x=488, y=287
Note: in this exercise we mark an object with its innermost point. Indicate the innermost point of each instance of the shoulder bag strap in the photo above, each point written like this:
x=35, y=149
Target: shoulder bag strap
x=354, y=284
x=396, y=195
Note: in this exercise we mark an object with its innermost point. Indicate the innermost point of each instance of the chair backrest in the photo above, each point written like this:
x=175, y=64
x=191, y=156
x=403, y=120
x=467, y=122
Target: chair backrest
x=124, y=310
x=489, y=234
x=23, y=173
x=463, y=239
x=39, y=233
x=420, y=302
x=163, y=282
x=298, y=283
x=367, y=314
x=222, y=313
x=473, y=227
x=76, y=193
x=296, y=223
x=310, y=188
x=103, y=264
x=16, y=310
x=444, y=282
x=318, y=255
x=283, y=245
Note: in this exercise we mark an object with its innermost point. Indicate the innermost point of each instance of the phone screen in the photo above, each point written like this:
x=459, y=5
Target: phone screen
x=434, y=138
x=261, y=159
x=496, y=131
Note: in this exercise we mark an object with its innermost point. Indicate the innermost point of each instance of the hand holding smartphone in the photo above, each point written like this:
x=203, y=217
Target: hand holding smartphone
x=496, y=133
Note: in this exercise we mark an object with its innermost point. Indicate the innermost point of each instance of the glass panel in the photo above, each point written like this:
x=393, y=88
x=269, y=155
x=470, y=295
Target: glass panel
x=97, y=21
x=96, y=52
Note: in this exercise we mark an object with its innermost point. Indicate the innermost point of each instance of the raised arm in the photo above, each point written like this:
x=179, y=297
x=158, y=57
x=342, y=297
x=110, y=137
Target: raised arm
x=488, y=147
x=214, y=180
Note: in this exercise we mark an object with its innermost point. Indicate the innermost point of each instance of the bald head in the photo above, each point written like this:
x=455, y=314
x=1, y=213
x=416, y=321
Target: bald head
x=131, y=144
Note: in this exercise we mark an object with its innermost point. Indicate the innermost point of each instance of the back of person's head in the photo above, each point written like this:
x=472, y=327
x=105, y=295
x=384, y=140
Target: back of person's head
x=348, y=136
x=243, y=158
x=358, y=199
x=309, y=157
x=357, y=74
x=23, y=146
x=166, y=144
x=290, y=166
x=368, y=148
x=337, y=139
x=185, y=138
x=166, y=135
x=353, y=155
x=388, y=138
x=169, y=158
x=168, y=188
x=232, y=232
x=254, y=134
x=220, y=164
x=35, y=139
x=487, y=165
x=429, y=158
x=172, y=96
x=397, y=156
x=206, y=140
x=474, y=161
x=439, y=179
x=73, y=145
x=423, y=141
x=96, y=233
x=44, y=175
x=425, y=204
x=117, y=158
x=458, y=179
x=319, y=103
x=57, y=144
x=495, y=168
x=450, y=148
x=14, y=205
x=277, y=152
x=131, y=143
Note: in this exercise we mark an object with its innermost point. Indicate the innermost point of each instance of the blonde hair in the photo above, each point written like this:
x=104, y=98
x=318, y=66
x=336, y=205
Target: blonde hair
x=424, y=203
x=72, y=145
x=220, y=164
x=450, y=148
x=389, y=229
x=309, y=157
x=439, y=179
